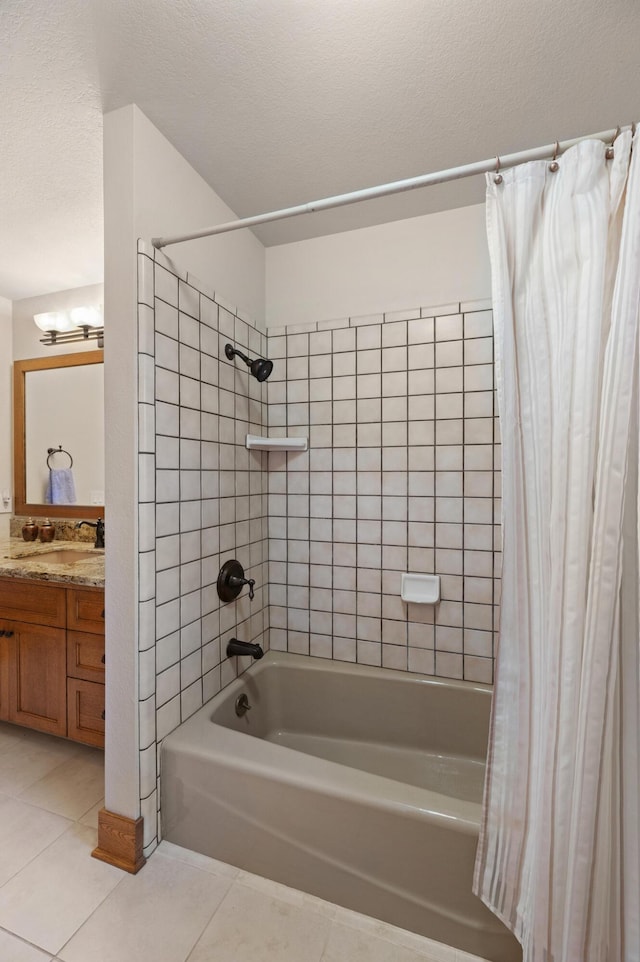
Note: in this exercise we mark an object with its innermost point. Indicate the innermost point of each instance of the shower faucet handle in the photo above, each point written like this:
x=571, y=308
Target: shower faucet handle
x=231, y=581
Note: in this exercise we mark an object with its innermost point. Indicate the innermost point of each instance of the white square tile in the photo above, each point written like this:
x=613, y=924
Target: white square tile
x=478, y=323
x=146, y=330
x=478, y=377
x=168, y=717
x=420, y=331
x=449, y=354
x=421, y=356
x=189, y=299
x=478, y=350
x=145, y=280
x=448, y=665
x=448, y=328
x=395, y=333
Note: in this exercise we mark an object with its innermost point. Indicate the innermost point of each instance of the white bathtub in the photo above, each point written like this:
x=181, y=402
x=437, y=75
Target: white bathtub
x=360, y=785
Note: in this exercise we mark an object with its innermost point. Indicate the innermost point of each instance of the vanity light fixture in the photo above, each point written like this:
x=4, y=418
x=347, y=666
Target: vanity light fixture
x=78, y=324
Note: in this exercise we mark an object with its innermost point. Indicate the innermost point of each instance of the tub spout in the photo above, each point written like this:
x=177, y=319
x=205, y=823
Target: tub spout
x=236, y=647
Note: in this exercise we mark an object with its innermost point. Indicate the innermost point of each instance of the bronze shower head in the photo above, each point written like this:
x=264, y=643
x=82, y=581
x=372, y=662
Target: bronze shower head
x=261, y=368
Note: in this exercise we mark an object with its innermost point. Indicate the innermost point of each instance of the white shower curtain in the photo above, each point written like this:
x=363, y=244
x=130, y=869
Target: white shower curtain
x=559, y=855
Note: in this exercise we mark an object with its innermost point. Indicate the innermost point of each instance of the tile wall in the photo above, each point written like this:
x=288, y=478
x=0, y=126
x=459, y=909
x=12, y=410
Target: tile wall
x=202, y=500
x=402, y=474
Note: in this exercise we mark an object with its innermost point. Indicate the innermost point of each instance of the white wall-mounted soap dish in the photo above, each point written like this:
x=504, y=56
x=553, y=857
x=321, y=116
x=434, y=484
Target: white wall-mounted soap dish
x=420, y=589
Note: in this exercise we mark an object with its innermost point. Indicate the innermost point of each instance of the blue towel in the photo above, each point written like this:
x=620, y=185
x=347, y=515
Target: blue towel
x=60, y=488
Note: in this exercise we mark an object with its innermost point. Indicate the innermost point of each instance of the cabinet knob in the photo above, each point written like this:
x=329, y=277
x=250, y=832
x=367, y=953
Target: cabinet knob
x=102, y=716
x=8, y=634
x=102, y=615
x=102, y=659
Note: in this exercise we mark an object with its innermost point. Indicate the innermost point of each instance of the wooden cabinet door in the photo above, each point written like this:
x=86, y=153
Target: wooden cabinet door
x=37, y=683
x=5, y=668
x=85, y=705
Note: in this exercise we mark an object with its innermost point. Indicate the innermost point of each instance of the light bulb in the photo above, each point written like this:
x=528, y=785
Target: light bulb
x=58, y=321
x=86, y=317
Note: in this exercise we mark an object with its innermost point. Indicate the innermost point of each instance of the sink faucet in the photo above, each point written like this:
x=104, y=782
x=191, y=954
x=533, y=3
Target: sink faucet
x=99, y=526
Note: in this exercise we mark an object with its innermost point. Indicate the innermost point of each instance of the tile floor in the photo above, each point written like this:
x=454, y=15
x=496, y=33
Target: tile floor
x=59, y=905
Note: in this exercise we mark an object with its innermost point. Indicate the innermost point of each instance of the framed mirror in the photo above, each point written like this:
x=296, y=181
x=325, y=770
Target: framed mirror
x=58, y=431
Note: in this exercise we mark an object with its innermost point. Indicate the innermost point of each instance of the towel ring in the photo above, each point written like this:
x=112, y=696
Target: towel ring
x=58, y=450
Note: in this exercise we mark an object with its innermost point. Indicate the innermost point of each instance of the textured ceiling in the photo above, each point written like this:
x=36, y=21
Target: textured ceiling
x=277, y=102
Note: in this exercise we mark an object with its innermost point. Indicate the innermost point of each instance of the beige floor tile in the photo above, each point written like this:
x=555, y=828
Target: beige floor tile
x=27, y=756
x=203, y=862
x=55, y=893
x=158, y=914
x=358, y=946
x=90, y=818
x=375, y=928
x=25, y=831
x=13, y=949
x=251, y=926
x=72, y=788
x=287, y=894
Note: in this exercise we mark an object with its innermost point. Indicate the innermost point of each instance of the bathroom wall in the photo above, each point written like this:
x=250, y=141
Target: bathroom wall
x=401, y=475
x=202, y=501
x=431, y=259
x=149, y=189
x=6, y=423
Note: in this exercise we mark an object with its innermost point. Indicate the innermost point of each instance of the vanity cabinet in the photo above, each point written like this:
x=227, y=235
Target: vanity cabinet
x=46, y=664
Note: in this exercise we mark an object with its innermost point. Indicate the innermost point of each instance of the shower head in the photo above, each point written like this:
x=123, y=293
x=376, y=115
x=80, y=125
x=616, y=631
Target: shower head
x=261, y=368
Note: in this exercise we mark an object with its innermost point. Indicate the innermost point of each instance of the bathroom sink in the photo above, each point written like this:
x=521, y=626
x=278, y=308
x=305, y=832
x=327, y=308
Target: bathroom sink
x=63, y=556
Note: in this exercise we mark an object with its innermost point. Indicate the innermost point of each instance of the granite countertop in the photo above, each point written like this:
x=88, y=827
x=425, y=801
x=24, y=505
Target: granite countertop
x=52, y=562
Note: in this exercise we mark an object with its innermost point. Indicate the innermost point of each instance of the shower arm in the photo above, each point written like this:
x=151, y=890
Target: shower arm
x=234, y=352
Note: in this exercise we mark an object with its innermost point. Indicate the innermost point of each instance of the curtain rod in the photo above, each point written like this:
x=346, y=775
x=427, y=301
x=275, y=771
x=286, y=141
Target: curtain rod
x=385, y=190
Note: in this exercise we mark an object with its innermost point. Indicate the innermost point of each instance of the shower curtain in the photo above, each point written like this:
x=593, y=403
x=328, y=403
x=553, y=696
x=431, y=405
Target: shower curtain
x=559, y=854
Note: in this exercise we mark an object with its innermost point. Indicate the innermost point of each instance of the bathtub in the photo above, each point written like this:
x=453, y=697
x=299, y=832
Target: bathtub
x=359, y=785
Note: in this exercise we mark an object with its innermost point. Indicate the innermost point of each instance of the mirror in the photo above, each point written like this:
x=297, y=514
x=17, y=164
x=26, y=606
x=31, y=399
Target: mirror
x=58, y=409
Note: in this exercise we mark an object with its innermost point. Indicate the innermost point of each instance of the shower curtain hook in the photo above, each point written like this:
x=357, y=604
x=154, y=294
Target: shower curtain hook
x=498, y=178
x=609, y=152
x=554, y=165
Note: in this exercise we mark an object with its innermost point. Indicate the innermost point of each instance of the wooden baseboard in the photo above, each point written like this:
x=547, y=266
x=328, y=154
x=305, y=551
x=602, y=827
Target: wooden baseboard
x=120, y=841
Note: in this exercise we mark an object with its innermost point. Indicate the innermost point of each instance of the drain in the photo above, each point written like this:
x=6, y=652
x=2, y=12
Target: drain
x=242, y=705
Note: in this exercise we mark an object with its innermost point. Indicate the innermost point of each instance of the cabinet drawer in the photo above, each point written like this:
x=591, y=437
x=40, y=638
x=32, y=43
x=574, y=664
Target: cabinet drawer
x=36, y=603
x=85, y=656
x=85, y=610
x=85, y=712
